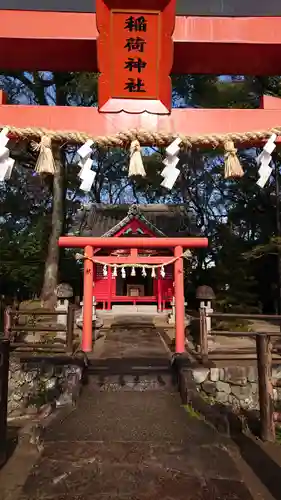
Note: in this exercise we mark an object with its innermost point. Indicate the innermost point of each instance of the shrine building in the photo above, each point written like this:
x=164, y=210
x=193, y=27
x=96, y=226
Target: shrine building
x=148, y=283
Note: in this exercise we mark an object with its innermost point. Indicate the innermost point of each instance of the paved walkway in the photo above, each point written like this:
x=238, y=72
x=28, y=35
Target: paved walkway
x=130, y=438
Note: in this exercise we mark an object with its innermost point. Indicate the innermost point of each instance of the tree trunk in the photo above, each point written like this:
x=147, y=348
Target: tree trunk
x=51, y=274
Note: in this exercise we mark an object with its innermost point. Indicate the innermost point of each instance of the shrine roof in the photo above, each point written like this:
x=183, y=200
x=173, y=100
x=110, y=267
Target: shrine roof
x=106, y=220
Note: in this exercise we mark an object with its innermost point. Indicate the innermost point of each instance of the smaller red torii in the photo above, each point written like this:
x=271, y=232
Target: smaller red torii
x=89, y=243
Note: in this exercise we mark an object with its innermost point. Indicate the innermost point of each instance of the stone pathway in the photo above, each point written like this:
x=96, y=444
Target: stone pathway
x=130, y=438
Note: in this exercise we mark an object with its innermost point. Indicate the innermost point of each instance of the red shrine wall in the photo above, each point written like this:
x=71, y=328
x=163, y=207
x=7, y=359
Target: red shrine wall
x=106, y=289
x=110, y=289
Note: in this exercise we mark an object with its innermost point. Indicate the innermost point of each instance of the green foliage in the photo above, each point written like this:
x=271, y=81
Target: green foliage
x=191, y=412
x=273, y=247
x=236, y=215
x=23, y=225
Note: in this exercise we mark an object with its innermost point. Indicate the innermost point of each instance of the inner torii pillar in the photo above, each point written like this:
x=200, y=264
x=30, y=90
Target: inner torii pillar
x=179, y=300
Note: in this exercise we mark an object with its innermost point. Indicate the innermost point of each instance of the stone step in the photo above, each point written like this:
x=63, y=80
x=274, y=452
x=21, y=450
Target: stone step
x=145, y=382
x=143, y=309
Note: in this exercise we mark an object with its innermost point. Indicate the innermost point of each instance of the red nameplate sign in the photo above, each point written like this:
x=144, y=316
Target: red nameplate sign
x=135, y=56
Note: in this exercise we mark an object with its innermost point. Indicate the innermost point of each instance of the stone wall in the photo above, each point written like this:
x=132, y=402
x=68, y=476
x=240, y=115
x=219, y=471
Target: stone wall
x=34, y=384
x=235, y=386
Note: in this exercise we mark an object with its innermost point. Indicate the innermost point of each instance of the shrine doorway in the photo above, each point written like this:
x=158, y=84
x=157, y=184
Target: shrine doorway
x=135, y=286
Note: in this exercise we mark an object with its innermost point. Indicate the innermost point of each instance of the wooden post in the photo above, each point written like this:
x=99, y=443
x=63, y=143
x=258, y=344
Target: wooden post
x=265, y=387
x=179, y=301
x=203, y=335
x=87, y=334
x=159, y=291
x=4, y=375
x=70, y=328
x=200, y=330
x=109, y=277
x=94, y=278
x=7, y=321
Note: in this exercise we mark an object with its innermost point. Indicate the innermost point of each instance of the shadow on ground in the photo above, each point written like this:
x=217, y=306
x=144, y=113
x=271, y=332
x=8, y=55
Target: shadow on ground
x=10, y=445
x=259, y=460
x=264, y=459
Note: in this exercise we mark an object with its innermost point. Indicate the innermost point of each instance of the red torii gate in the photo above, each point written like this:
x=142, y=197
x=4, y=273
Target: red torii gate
x=93, y=40
x=65, y=38
x=177, y=244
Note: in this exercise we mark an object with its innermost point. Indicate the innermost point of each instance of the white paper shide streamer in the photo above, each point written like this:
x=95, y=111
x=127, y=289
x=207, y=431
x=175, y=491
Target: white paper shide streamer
x=264, y=160
x=6, y=163
x=86, y=174
x=170, y=172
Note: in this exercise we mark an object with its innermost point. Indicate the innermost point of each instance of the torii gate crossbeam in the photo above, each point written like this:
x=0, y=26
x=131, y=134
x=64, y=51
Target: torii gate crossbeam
x=66, y=38
x=244, y=45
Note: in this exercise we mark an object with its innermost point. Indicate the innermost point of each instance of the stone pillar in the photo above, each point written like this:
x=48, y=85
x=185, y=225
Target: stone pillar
x=64, y=292
x=208, y=309
x=62, y=306
x=94, y=315
x=205, y=309
x=172, y=315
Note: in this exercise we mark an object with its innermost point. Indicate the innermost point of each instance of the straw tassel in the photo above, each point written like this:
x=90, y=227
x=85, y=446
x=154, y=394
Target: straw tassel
x=45, y=162
x=136, y=164
x=232, y=166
